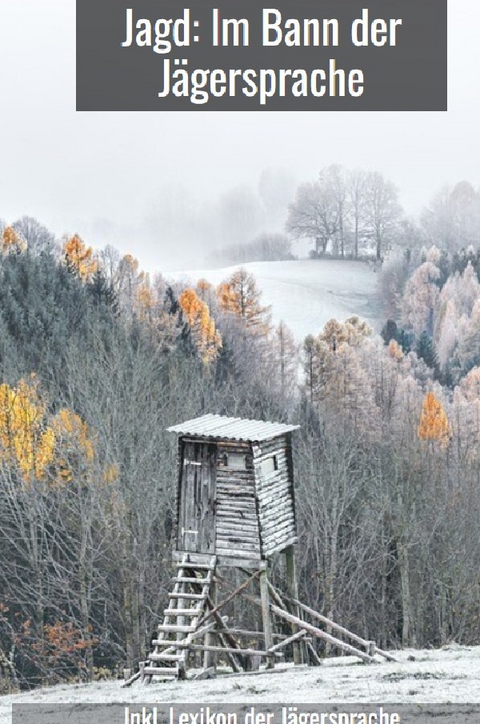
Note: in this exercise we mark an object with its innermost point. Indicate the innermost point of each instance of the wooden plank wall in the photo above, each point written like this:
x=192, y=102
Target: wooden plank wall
x=237, y=529
x=276, y=509
x=254, y=510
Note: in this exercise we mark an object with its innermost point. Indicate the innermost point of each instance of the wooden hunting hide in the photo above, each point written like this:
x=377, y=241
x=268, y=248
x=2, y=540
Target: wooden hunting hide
x=235, y=495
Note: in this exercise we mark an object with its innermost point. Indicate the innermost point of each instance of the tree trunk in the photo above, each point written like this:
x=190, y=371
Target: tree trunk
x=408, y=631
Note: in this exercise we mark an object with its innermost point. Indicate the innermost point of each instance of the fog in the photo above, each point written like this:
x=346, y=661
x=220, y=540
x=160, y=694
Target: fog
x=157, y=184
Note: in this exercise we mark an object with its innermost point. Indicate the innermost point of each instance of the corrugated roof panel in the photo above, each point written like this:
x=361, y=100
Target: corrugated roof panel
x=232, y=428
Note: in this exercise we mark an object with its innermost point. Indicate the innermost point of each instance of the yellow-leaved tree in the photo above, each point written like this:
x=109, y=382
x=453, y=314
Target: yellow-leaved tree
x=145, y=303
x=208, y=340
x=11, y=241
x=53, y=500
x=434, y=425
x=80, y=257
x=36, y=445
x=26, y=442
x=74, y=446
x=240, y=296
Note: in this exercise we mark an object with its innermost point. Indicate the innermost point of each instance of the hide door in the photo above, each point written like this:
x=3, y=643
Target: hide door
x=196, y=530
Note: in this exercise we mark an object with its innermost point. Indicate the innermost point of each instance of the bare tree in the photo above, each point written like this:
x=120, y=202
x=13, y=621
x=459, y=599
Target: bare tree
x=314, y=215
x=383, y=211
x=356, y=190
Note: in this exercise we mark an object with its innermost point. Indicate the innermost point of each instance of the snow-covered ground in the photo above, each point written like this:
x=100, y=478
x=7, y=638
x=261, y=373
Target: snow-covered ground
x=306, y=294
x=447, y=675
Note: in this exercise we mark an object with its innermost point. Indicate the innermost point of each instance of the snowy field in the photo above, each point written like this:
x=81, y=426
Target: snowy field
x=306, y=294
x=442, y=676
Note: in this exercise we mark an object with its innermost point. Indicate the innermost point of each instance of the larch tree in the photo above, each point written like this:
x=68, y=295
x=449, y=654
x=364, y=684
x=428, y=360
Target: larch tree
x=128, y=280
x=467, y=353
x=206, y=337
x=145, y=304
x=466, y=417
x=80, y=257
x=337, y=379
x=352, y=332
x=283, y=358
x=447, y=331
x=48, y=522
x=468, y=289
x=26, y=442
x=434, y=425
x=393, y=277
x=11, y=242
x=420, y=300
x=240, y=296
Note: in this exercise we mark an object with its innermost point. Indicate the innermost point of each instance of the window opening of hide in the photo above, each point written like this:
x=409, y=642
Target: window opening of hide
x=233, y=461
x=270, y=465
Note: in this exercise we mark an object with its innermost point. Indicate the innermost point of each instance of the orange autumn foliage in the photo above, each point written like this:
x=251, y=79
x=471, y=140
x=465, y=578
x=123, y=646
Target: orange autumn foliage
x=80, y=257
x=240, y=296
x=65, y=638
x=145, y=297
x=434, y=425
x=395, y=351
x=207, y=339
x=40, y=447
x=64, y=642
x=26, y=443
x=11, y=241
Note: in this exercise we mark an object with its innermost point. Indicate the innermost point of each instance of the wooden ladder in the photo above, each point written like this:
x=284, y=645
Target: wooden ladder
x=187, y=605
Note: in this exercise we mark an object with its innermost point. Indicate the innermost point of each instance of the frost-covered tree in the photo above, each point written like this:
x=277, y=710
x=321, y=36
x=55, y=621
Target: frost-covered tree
x=239, y=295
x=467, y=354
x=420, y=300
x=337, y=380
x=382, y=212
x=314, y=215
x=453, y=318
x=447, y=331
x=466, y=417
x=392, y=279
x=452, y=219
x=357, y=195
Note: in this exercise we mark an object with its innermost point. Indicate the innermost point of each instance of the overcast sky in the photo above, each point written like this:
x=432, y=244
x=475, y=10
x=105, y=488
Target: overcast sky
x=110, y=176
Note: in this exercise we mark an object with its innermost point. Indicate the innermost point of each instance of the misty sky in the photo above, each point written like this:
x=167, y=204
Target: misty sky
x=125, y=178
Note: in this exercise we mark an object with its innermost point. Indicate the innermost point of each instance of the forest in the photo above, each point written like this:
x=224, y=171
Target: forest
x=98, y=358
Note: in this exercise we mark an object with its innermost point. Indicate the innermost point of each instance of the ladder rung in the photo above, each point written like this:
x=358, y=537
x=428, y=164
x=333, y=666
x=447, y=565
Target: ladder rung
x=190, y=579
x=199, y=566
x=164, y=657
x=175, y=627
x=160, y=671
x=166, y=643
x=182, y=612
x=189, y=596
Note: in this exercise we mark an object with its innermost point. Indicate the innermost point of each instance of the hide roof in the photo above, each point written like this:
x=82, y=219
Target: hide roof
x=219, y=427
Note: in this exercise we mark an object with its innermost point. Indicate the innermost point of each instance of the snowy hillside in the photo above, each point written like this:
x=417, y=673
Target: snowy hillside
x=306, y=294
x=450, y=674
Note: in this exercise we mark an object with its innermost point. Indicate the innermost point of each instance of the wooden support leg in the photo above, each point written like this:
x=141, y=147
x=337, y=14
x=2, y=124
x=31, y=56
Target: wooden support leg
x=210, y=657
x=266, y=615
x=293, y=592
